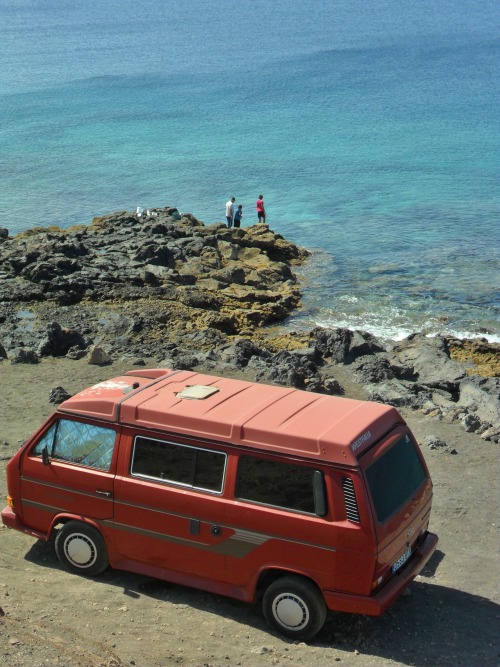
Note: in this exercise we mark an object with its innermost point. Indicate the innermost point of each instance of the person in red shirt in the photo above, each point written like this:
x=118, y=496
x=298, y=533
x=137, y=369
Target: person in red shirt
x=261, y=210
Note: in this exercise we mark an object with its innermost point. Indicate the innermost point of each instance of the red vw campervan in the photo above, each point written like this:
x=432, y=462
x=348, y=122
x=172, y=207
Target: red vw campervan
x=301, y=501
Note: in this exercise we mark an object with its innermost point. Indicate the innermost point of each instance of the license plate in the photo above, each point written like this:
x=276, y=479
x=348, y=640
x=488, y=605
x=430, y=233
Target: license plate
x=402, y=560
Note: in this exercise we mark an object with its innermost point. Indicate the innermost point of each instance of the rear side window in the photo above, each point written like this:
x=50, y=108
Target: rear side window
x=77, y=442
x=188, y=466
x=394, y=477
x=280, y=484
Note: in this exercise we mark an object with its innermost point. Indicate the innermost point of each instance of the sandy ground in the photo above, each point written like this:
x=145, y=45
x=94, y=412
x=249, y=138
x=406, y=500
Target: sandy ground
x=50, y=617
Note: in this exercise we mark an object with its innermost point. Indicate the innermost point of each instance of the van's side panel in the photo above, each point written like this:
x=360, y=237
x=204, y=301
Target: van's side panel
x=334, y=553
x=269, y=538
x=166, y=526
x=355, y=540
x=48, y=491
x=62, y=488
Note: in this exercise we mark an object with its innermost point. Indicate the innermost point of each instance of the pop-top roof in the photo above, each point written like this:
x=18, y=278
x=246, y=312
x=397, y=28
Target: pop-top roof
x=292, y=421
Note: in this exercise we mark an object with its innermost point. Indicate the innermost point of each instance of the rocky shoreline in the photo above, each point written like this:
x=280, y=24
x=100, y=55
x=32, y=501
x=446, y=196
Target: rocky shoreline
x=168, y=289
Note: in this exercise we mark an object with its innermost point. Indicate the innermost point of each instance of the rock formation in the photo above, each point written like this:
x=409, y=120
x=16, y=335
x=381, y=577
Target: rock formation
x=134, y=280
x=168, y=288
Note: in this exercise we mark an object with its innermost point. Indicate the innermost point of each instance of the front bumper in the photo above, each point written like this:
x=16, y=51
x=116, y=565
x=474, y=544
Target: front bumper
x=11, y=520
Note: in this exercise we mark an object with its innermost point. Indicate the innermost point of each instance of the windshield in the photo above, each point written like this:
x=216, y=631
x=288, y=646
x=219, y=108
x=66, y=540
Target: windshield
x=394, y=477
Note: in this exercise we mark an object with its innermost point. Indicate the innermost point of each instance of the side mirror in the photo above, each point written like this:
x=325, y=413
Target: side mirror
x=45, y=456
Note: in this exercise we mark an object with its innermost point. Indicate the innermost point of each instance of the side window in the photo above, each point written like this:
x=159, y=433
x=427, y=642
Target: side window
x=189, y=466
x=280, y=484
x=46, y=441
x=77, y=442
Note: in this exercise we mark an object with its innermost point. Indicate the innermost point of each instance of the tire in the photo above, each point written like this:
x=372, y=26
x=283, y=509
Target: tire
x=295, y=607
x=81, y=549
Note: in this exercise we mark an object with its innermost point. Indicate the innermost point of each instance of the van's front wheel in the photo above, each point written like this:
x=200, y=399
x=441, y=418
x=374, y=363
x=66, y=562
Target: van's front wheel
x=295, y=607
x=81, y=549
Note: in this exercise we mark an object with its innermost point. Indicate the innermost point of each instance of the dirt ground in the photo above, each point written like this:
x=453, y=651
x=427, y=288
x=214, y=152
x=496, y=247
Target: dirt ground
x=451, y=615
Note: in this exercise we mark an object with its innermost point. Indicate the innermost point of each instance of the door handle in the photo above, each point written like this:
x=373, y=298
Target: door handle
x=108, y=494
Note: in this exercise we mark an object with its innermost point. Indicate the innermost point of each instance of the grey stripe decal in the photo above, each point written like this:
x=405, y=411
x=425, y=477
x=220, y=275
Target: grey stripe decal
x=229, y=547
x=40, y=506
x=238, y=545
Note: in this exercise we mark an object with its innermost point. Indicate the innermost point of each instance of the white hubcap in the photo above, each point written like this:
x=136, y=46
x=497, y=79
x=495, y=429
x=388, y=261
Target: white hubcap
x=80, y=550
x=290, y=611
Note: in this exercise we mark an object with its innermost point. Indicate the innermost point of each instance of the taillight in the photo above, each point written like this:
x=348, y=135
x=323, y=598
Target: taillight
x=10, y=502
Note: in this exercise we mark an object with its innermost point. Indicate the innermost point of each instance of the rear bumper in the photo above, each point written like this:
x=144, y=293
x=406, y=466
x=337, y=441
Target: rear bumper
x=376, y=604
x=11, y=520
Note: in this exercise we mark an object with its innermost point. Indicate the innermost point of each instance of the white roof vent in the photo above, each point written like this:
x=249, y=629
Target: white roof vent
x=197, y=392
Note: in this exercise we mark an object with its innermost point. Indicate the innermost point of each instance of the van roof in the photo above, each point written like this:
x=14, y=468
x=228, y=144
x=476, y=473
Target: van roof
x=271, y=418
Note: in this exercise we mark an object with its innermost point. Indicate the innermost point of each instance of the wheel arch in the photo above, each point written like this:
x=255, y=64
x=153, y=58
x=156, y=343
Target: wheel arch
x=62, y=519
x=272, y=574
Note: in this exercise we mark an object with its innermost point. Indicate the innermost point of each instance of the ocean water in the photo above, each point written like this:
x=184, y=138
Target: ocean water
x=370, y=126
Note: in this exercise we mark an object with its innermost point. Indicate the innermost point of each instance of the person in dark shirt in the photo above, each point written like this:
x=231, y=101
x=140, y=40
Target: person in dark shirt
x=238, y=215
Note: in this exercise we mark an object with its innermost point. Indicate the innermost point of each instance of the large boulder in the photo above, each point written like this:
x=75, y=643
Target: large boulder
x=58, y=341
x=481, y=396
x=99, y=357
x=428, y=360
x=241, y=352
x=343, y=345
x=58, y=395
x=293, y=368
x=24, y=356
x=398, y=393
x=372, y=368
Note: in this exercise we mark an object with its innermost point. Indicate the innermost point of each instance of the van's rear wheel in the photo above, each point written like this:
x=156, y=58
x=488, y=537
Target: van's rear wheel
x=81, y=549
x=295, y=607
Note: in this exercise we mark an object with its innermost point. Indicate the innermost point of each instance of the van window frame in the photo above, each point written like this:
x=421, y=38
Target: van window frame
x=373, y=455
x=174, y=483
x=287, y=462
x=55, y=456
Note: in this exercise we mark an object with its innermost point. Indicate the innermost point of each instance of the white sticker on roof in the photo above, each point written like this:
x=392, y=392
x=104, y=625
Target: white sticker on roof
x=108, y=385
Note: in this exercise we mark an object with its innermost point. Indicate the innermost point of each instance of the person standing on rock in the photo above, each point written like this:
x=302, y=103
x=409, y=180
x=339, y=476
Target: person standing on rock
x=230, y=212
x=238, y=215
x=261, y=209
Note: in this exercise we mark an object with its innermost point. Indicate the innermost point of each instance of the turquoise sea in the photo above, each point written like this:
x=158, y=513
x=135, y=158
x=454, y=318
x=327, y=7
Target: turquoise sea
x=370, y=126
